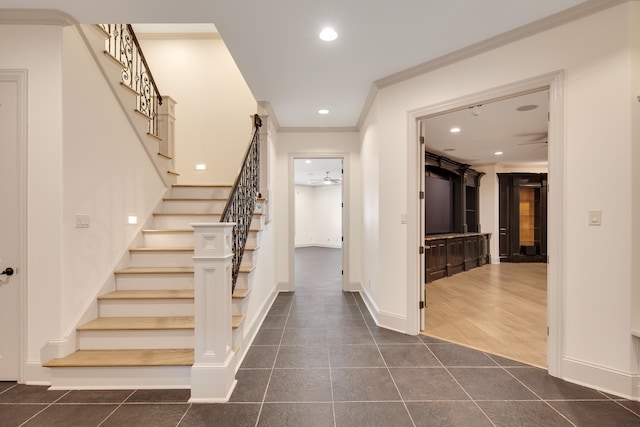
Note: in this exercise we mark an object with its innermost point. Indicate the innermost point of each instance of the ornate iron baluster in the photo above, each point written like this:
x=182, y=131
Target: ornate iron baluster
x=123, y=45
x=242, y=200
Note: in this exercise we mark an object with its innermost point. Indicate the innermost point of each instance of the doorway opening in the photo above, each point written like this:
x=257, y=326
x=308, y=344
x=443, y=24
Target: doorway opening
x=493, y=135
x=318, y=209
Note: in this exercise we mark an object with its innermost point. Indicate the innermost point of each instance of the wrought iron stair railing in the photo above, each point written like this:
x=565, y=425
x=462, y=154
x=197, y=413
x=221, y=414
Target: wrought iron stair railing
x=242, y=199
x=122, y=44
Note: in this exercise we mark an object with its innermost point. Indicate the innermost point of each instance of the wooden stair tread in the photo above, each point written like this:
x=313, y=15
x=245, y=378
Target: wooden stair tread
x=240, y=293
x=114, y=358
x=148, y=295
x=138, y=323
x=246, y=269
x=161, y=250
x=168, y=230
x=236, y=321
x=155, y=270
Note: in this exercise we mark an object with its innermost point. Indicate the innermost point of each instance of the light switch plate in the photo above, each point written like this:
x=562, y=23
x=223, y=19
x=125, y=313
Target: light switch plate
x=595, y=217
x=82, y=221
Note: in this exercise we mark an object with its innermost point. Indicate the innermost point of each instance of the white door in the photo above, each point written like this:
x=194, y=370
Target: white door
x=9, y=230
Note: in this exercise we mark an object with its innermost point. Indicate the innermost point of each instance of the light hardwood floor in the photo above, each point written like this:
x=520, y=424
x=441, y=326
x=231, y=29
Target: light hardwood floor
x=498, y=308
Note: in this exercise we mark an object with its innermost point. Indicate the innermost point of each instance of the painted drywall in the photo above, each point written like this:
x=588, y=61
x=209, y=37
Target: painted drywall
x=107, y=175
x=38, y=50
x=597, y=280
x=318, y=216
x=309, y=144
x=214, y=105
x=634, y=37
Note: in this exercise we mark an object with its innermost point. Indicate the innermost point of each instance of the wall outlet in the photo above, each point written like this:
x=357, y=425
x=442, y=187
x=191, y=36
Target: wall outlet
x=82, y=221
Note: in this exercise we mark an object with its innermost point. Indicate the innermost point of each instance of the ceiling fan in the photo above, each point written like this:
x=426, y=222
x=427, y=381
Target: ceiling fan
x=328, y=180
x=544, y=141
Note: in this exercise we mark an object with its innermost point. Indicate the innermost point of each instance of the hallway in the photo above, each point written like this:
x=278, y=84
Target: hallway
x=320, y=360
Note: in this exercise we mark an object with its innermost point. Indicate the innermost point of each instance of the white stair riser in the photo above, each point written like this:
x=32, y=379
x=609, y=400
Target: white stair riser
x=253, y=238
x=168, y=240
x=162, y=259
x=178, y=192
x=244, y=280
x=237, y=306
x=132, y=340
x=238, y=336
x=195, y=206
x=123, y=377
x=146, y=308
x=150, y=282
x=181, y=222
x=249, y=258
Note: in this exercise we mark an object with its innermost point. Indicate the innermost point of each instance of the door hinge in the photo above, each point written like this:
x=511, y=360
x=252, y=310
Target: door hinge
x=422, y=140
x=422, y=305
x=421, y=250
x=421, y=195
x=342, y=238
x=342, y=272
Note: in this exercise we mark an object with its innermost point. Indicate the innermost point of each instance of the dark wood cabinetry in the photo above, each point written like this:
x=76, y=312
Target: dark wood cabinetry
x=523, y=217
x=450, y=254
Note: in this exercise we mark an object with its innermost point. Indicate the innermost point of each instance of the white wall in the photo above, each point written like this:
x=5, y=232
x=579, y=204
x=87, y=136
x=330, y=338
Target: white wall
x=214, y=105
x=307, y=145
x=318, y=215
x=597, y=169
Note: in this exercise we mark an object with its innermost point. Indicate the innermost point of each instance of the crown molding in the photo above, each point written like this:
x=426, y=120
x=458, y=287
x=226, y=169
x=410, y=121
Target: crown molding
x=36, y=17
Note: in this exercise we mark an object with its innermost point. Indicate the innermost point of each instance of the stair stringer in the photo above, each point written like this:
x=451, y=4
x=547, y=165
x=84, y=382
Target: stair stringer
x=94, y=38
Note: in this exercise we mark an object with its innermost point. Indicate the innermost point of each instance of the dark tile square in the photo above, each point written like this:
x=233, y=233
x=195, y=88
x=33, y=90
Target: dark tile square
x=306, y=309
x=251, y=386
x=347, y=336
x=96, y=396
x=309, y=336
x=345, y=321
x=504, y=362
x=408, y=355
x=30, y=394
x=431, y=340
x=355, y=356
x=448, y=414
x=311, y=356
x=14, y=415
x=632, y=405
x=596, y=413
x=274, y=322
x=77, y=415
x=296, y=414
x=151, y=415
x=284, y=297
x=221, y=415
x=5, y=385
x=372, y=414
x=260, y=356
x=341, y=298
x=341, y=309
x=299, y=385
x=280, y=310
x=523, y=414
x=491, y=384
x=306, y=321
x=385, y=336
x=268, y=337
x=456, y=355
x=550, y=388
x=363, y=384
x=427, y=384
x=158, y=396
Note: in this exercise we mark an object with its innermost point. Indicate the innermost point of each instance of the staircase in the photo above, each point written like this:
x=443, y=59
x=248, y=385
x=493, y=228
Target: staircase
x=144, y=334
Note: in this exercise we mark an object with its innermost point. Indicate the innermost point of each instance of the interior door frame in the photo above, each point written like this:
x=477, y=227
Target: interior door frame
x=345, y=213
x=556, y=204
x=20, y=77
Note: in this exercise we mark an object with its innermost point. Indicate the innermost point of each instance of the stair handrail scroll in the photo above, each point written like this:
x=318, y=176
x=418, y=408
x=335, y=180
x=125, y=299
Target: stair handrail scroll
x=242, y=199
x=122, y=44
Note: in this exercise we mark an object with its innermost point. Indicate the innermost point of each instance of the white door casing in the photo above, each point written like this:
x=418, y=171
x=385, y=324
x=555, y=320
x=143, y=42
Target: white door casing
x=12, y=234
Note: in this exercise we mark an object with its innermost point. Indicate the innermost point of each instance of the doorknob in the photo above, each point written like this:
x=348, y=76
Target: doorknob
x=8, y=271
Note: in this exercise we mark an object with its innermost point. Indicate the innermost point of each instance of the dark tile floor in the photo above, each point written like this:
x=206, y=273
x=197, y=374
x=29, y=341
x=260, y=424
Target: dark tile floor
x=320, y=360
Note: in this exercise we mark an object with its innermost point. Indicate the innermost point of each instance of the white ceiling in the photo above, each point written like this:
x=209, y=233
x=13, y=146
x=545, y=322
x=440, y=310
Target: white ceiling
x=312, y=172
x=276, y=46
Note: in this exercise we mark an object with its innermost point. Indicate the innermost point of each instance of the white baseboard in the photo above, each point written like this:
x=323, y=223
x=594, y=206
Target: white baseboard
x=317, y=245
x=36, y=374
x=623, y=384
x=382, y=318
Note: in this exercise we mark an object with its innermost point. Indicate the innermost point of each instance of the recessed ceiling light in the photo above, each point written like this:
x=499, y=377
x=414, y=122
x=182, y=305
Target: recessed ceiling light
x=328, y=34
x=201, y=166
x=498, y=153
x=454, y=130
x=527, y=107
x=323, y=111
x=307, y=161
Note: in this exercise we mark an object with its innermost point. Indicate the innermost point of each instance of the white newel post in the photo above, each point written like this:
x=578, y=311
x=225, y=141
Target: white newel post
x=213, y=371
